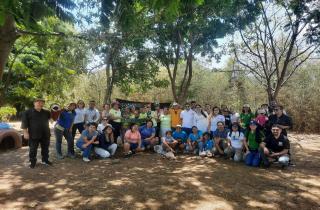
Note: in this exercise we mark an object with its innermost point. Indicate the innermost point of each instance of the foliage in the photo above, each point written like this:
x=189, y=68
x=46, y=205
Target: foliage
x=6, y=112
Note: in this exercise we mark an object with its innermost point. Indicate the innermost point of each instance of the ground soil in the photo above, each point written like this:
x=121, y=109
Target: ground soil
x=147, y=181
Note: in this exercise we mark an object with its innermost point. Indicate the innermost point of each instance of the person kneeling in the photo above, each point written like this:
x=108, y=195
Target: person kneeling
x=107, y=146
x=235, y=143
x=148, y=135
x=275, y=148
x=87, y=140
x=132, y=140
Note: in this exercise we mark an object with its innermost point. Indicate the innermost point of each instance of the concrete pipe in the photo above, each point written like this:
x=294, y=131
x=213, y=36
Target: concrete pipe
x=10, y=139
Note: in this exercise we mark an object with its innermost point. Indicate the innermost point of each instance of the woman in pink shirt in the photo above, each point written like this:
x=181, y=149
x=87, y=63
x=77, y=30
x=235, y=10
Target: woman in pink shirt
x=261, y=118
x=132, y=140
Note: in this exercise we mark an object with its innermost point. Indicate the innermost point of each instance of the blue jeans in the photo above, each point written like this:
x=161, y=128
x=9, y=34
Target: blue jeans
x=253, y=159
x=87, y=150
x=68, y=136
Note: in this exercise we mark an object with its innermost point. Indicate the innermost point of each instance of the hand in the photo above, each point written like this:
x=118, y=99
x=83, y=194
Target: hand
x=70, y=130
x=26, y=135
x=85, y=146
x=96, y=142
x=274, y=155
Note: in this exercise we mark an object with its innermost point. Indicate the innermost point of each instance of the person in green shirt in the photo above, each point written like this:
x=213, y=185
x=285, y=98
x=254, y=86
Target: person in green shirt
x=253, y=137
x=165, y=122
x=246, y=116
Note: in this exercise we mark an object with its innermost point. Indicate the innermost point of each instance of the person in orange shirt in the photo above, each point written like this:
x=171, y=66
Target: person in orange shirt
x=175, y=115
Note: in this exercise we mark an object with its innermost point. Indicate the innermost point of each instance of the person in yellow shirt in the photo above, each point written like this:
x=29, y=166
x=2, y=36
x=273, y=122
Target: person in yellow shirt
x=175, y=115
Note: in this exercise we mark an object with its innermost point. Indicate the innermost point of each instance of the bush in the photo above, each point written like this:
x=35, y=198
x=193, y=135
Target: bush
x=7, y=112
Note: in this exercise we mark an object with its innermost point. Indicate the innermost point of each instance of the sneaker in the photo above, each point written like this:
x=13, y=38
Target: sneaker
x=47, y=163
x=209, y=154
x=86, y=159
x=60, y=156
x=32, y=165
x=202, y=154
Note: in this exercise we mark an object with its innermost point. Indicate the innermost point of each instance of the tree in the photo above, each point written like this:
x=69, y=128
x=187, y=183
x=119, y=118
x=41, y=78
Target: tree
x=275, y=45
x=193, y=31
x=19, y=16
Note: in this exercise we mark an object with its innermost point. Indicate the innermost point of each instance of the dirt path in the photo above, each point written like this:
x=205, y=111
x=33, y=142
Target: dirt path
x=147, y=181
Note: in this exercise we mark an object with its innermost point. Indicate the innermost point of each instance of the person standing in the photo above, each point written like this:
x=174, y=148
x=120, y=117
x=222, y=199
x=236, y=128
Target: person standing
x=62, y=128
x=246, y=116
x=35, y=125
x=115, y=114
x=78, y=123
x=92, y=114
x=201, y=119
x=165, y=122
x=175, y=112
x=280, y=119
x=187, y=117
x=213, y=120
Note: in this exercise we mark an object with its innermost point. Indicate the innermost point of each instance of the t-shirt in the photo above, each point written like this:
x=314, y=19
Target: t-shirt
x=215, y=120
x=153, y=116
x=245, y=119
x=115, y=113
x=66, y=119
x=201, y=122
x=146, y=132
x=236, y=139
x=277, y=145
x=87, y=134
x=92, y=115
x=187, y=117
x=261, y=119
x=220, y=134
x=175, y=117
x=253, y=143
x=168, y=139
x=165, y=121
x=132, y=137
x=194, y=137
x=180, y=135
x=284, y=120
x=227, y=120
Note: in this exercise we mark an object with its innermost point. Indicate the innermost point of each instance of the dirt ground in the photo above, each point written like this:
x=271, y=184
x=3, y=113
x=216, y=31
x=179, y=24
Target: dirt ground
x=146, y=181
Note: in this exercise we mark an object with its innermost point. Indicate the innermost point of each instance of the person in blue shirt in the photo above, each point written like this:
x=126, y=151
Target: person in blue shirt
x=220, y=139
x=148, y=135
x=205, y=145
x=87, y=140
x=193, y=139
x=181, y=137
x=63, y=128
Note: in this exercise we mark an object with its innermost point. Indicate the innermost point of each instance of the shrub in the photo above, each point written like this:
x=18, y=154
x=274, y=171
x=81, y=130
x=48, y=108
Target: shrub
x=6, y=112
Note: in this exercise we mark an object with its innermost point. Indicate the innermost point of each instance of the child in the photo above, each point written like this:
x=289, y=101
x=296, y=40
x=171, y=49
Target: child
x=205, y=145
x=235, y=143
x=169, y=144
x=193, y=139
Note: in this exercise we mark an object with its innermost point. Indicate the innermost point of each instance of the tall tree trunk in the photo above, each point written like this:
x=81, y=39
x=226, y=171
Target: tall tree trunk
x=8, y=36
x=109, y=74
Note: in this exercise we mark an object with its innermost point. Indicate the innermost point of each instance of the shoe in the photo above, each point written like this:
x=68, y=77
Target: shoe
x=72, y=156
x=209, y=154
x=60, y=156
x=202, y=154
x=32, y=165
x=47, y=163
x=86, y=159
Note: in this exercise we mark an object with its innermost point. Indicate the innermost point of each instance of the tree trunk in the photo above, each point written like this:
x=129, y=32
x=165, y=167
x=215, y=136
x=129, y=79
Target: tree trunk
x=271, y=95
x=8, y=36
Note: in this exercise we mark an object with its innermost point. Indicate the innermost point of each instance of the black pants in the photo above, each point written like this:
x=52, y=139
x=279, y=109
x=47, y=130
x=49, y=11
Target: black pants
x=117, y=129
x=33, y=147
x=75, y=127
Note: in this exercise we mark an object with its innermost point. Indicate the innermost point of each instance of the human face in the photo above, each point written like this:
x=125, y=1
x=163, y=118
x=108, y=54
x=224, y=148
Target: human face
x=246, y=109
x=220, y=126
x=105, y=121
x=92, y=105
x=187, y=106
x=38, y=105
x=198, y=108
x=276, y=131
x=80, y=104
x=116, y=106
x=178, y=129
x=216, y=111
x=253, y=127
x=106, y=107
x=234, y=128
x=148, y=108
x=135, y=128
x=169, y=134
x=108, y=130
x=195, y=130
x=72, y=107
x=92, y=128
x=278, y=111
x=165, y=111
x=149, y=124
x=206, y=137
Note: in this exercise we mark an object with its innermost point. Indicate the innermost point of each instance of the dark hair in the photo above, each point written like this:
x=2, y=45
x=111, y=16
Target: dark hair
x=206, y=134
x=201, y=111
x=235, y=125
x=249, y=110
x=276, y=126
x=93, y=123
x=168, y=131
x=194, y=127
x=131, y=125
x=149, y=120
x=215, y=107
x=92, y=101
x=279, y=106
x=258, y=134
x=220, y=122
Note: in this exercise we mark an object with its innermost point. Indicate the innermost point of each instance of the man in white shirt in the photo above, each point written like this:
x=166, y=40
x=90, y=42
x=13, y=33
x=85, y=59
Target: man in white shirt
x=92, y=114
x=187, y=117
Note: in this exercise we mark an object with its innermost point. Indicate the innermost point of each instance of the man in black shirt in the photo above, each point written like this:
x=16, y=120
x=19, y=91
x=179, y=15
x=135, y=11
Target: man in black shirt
x=35, y=125
x=279, y=118
x=275, y=146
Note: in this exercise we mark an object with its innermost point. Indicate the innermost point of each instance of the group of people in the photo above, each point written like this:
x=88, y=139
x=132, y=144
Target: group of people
x=257, y=138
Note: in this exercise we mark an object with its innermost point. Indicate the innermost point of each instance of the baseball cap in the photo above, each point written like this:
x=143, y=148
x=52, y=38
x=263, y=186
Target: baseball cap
x=253, y=122
x=178, y=126
x=175, y=104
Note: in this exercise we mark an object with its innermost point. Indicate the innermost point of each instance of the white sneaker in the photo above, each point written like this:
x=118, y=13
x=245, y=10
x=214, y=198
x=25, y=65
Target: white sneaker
x=209, y=154
x=202, y=154
x=86, y=159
